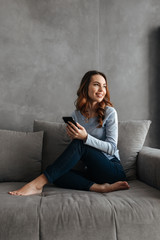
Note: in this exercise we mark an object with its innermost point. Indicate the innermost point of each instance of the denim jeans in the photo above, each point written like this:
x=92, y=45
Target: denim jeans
x=99, y=169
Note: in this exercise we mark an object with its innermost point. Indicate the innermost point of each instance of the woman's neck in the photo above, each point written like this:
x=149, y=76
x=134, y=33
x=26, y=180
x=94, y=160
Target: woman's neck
x=92, y=112
x=93, y=106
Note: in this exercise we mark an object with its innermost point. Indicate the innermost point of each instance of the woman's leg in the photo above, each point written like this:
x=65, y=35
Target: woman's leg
x=104, y=175
x=33, y=187
x=67, y=160
x=62, y=165
x=108, y=175
x=74, y=180
x=101, y=169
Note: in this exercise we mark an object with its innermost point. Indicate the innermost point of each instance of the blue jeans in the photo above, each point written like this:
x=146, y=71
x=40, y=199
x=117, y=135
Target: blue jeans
x=99, y=168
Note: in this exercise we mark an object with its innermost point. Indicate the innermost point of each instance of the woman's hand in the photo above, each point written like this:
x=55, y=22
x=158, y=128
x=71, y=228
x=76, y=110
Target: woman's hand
x=78, y=132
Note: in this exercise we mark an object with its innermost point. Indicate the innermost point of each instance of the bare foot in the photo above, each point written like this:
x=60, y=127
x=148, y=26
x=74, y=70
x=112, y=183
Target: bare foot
x=28, y=189
x=33, y=187
x=106, y=187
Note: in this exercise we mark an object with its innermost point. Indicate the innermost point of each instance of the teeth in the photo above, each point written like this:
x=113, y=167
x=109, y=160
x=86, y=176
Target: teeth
x=99, y=95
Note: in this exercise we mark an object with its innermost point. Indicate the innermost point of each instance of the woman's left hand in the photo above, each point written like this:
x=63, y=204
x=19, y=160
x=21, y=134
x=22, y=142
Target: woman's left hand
x=78, y=132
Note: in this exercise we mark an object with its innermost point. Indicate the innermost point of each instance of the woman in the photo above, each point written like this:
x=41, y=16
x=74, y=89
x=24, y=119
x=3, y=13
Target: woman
x=94, y=141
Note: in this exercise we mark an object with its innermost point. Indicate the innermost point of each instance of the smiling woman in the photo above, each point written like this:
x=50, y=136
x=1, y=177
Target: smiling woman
x=94, y=141
x=93, y=89
x=97, y=89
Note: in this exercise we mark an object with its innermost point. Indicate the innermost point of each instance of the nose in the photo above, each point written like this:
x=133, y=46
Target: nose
x=100, y=89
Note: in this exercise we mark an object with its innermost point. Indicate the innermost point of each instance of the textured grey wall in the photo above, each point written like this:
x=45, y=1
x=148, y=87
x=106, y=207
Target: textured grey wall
x=45, y=48
x=130, y=54
x=47, y=45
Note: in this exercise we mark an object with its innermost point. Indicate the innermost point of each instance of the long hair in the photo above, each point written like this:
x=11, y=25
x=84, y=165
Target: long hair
x=82, y=103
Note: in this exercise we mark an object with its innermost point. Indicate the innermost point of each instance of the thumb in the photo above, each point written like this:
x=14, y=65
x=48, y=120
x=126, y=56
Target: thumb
x=79, y=126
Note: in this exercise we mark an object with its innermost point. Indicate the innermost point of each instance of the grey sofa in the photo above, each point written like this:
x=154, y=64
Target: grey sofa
x=62, y=214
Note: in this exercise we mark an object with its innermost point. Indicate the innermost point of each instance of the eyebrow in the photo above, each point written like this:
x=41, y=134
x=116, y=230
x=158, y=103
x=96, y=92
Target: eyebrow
x=99, y=83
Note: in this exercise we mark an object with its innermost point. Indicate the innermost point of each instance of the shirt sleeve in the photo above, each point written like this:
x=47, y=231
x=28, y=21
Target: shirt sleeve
x=109, y=145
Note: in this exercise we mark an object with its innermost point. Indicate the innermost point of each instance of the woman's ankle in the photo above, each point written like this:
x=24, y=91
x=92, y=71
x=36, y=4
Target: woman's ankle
x=40, y=181
x=97, y=187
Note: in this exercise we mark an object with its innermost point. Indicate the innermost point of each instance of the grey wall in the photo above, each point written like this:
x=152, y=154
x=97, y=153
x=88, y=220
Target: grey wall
x=47, y=45
x=130, y=54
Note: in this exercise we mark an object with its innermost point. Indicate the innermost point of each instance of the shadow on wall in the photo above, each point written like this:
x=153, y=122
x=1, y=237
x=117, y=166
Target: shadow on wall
x=154, y=86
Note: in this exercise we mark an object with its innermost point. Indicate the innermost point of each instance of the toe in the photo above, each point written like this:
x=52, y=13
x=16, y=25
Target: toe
x=126, y=183
x=11, y=193
x=14, y=193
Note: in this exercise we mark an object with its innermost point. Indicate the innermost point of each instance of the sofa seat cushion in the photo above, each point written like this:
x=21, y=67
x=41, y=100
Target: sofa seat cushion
x=128, y=214
x=72, y=214
x=19, y=215
x=20, y=155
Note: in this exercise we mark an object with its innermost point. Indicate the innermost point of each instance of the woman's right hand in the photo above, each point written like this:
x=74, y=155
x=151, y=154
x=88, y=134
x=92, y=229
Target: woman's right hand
x=78, y=132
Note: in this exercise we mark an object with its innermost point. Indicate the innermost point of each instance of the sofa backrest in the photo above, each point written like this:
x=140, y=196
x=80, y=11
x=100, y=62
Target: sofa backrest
x=20, y=155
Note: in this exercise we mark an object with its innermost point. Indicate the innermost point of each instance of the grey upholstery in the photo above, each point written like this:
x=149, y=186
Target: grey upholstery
x=63, y=214
x=19, y=216
x=122, y=215
x=148, y=166
x=131, y=137
x=20, y=155
x=55, y=141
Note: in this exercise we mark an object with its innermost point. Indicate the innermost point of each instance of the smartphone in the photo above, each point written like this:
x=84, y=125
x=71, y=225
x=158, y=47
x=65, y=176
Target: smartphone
x=69, y=119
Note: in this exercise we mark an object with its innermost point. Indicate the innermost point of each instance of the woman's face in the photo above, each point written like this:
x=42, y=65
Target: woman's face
x=97, y=88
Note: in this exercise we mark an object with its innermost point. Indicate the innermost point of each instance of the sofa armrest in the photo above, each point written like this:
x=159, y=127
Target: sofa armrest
x=148, y=166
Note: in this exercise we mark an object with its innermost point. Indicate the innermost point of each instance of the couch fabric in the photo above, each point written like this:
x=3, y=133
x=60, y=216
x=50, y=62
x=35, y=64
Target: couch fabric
x=62, y=214
x=150, y=174
x=131, y=137
x=20, y=155
x=19, y=215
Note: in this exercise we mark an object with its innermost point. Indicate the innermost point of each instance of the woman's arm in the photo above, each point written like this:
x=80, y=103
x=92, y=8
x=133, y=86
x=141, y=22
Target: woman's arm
x=109, y=145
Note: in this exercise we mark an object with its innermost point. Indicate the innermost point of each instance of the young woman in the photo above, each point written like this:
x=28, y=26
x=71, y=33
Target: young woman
x=94, y=141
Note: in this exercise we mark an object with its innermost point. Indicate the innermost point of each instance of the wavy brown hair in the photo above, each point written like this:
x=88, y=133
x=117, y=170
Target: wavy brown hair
x=82, y=103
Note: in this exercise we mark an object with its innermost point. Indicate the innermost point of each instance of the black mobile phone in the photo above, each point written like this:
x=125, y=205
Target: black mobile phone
x=69, y=119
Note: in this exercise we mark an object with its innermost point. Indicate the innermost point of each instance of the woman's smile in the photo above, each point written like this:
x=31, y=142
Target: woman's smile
x=97, y=88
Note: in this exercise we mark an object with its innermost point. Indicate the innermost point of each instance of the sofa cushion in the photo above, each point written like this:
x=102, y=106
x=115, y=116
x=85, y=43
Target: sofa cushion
x=20, y=155
x=120, y=215
x=54, y=143
x=19, y=218
x=132, y=135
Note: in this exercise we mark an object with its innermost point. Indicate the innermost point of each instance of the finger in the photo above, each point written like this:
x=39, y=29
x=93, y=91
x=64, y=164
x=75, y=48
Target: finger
x=70, y=136
x=71, y=130
x=79, y=126
x=73, y=126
